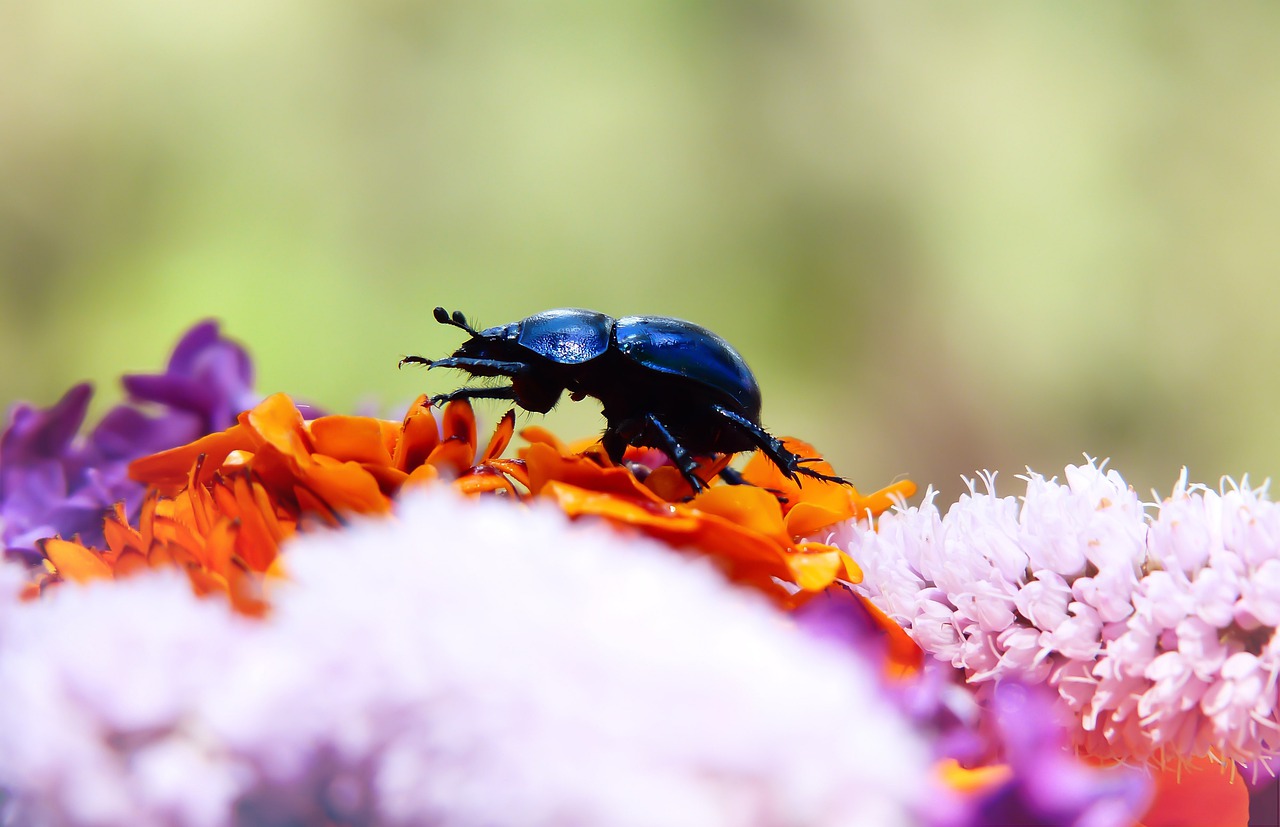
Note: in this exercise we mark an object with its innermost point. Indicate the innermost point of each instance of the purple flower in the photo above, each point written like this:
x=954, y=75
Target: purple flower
x=53, y=482
x=1048, y=786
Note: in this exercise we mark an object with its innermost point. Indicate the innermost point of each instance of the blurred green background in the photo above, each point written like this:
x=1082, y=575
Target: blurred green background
x=946, y=236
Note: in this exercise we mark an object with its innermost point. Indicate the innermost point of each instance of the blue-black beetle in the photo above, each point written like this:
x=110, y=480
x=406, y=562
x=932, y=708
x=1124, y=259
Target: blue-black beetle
x=663, y=383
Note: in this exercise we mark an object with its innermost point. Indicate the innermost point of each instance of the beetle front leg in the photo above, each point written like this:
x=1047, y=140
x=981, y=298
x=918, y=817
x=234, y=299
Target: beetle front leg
x=475, y=367
x=500, y=392
x=776, y=451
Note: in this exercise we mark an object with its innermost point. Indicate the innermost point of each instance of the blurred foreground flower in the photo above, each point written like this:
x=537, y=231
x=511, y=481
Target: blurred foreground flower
x=1158, y=632
x=462, y=663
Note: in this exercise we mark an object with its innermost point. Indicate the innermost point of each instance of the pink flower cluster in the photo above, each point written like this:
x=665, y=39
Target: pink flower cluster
x=1157, y=629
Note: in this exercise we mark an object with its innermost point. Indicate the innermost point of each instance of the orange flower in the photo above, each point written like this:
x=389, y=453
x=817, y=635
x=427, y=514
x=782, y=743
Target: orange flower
x=220, y=507
x=754, y=533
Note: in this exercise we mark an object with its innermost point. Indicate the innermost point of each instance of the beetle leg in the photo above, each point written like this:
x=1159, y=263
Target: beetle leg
x=615, y=444
x=501, y=392
x=787, y=462
x=678, y=453
x=476, y=367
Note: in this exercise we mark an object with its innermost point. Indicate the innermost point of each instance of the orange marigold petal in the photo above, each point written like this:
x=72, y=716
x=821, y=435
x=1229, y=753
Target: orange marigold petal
x=905, y=657
x=808, y=518
x=501, y=437
x=668, y=484
x=419, y=435
x=578, y=501
x=73, y=561
x=257, y=542
x=277, y=422
x=880, y=501
x=345, y=486
x=1199, y=793
x=546, y=464
x=815, y=566
x=484, y=483
x=538, y=435
x=129, y=563
x=389, y=479
x=453, y=456
x=514, y=468
x=119, y=535
x=972, y=781
x=350, y=438
x=421, y=475
x=169, y=470
x=751, y=508
x=312, y=510
x=459, y=422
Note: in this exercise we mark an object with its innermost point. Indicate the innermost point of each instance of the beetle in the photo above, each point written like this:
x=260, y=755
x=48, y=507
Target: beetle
x=662, y=383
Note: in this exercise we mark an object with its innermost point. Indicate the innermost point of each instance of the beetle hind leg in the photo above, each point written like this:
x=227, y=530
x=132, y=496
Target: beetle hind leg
x=790, y=464
x=616, y=440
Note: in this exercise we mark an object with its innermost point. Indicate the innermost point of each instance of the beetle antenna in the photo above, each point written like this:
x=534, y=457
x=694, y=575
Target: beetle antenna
x=455, y=320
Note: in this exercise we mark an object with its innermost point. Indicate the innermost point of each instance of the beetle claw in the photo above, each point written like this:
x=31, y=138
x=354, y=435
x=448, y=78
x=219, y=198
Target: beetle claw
x=413, y=360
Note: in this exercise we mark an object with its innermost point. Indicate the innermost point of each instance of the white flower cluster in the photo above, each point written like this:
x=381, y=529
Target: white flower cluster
x=465, y=663
x=1157, y=630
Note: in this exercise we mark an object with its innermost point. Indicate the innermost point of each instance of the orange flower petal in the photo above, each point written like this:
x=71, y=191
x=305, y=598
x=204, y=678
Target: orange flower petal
x=905, y=657
x=459, y=422
x=815, y=566
x=484, y=483
x=668, y=483
x=73, y=561
x=276, y=421
x=546, y=464
x=501, y=437
x=880, y=501
x=168, y=470
x=751, y=508
x=1198, y=794
x=119, y=535
x=453, y=456
x=257, y=541
x=808, y=518
x=972, y=781
x=538, y=435
x=514, y=468
x=350, y=438
x=419, y=435
x=345, y=486
x=422, y=475
x=389, y=479
x=578, y=501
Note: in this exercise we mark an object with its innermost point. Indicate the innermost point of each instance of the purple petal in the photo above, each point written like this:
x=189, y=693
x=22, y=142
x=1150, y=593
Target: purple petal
x=52, y=482
x=1049, y=786
x=41, y=434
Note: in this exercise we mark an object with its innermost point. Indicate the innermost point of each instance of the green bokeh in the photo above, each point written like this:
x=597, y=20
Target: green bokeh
x=947, y=237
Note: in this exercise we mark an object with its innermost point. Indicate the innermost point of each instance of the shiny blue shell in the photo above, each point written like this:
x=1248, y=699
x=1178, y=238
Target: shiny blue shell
x=568, y=336
x=681, y=348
